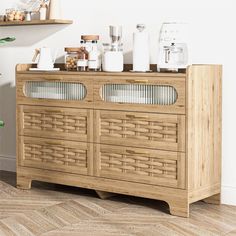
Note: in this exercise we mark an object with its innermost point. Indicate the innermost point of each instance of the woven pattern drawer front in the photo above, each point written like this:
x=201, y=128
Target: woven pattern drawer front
x=140, y=130
x=66, y=156
x=141, y=165
x=71, y=124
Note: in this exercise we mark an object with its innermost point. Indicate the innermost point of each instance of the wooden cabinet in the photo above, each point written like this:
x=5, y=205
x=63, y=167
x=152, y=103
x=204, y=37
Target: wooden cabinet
x=151, y=135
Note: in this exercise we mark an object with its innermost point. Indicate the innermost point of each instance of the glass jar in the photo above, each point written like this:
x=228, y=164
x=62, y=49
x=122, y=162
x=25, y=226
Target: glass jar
x=82, y=63
x=71, y=58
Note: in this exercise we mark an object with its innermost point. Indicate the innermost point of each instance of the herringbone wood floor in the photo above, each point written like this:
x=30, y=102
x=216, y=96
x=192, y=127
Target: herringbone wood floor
x=54, y=210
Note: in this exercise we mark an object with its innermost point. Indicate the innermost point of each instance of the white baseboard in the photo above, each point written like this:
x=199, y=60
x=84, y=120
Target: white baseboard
x=8, y=163
x=228, y=196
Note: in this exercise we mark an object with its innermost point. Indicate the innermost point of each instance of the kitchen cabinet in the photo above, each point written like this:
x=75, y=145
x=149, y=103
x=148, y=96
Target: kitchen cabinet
x=153, y=135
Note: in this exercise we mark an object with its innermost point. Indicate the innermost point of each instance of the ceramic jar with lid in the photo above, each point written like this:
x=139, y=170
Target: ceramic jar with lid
x=87, y=41
x=71, y=58
x=90, y=42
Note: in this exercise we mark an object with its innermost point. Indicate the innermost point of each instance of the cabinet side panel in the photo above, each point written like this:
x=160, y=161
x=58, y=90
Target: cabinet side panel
x=204, y=102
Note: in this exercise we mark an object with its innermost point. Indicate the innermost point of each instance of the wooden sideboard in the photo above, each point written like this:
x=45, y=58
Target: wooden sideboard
x=153, y=135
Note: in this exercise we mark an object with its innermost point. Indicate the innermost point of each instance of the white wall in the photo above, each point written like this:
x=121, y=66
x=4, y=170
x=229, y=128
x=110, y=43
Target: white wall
x=213, y=41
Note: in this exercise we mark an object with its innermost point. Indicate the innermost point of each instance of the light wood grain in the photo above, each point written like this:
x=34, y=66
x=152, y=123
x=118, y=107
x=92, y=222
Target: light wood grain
x=176, y=82
x=148, y=166
x=161, y=131
x=54, y=210
x=22, y=79
x=61, y=123
x=35, y=22
x=204, y=127
x=55, y=154
x=171, y=153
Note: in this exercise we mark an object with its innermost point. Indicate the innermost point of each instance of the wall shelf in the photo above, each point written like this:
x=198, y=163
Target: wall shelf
x=35, y=22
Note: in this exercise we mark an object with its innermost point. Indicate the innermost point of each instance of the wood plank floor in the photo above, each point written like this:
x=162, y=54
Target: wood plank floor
x=55, y=210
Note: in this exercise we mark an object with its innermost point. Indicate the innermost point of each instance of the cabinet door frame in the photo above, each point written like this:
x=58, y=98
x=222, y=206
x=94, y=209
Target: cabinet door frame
x=50, y=132
x=21, y=161
x=21, y=80
x=179, y=83
x=179, y=157
x=135, y=142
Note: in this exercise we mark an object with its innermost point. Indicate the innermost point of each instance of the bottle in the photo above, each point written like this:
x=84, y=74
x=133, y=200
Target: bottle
x=55, y=10
x=141, y=57
x=27, y=15
x=94, y=58
x=43, y=11
x=82, y=63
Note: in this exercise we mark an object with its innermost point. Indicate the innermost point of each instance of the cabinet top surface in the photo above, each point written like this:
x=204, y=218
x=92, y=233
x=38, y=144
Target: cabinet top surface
x=154, y=74
x=24, y=69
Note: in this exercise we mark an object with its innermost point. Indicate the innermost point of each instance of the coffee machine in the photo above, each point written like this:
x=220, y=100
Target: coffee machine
x=113, y=60
x=173, y=50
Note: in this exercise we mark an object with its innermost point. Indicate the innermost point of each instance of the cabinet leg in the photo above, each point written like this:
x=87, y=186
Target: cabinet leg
x=215, y=199
x=23, y=182
x=179, y=209
x=104, y=195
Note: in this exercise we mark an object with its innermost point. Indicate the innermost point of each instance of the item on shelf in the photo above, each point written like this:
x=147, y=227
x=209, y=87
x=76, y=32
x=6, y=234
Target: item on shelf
x=94, y=62
x=14, y=15
x=71, y=58
x=173, y=51
x=113, y=60
x=90, y=42
x=82, y=64
x=141, y=55
x=46, y=60
x=55, y=10
x=87, y=41
x=2, y=18
x=28, y=16
x=43, y=11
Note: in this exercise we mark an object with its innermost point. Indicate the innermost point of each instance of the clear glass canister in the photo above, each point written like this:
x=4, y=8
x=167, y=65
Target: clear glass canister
x=71, y=58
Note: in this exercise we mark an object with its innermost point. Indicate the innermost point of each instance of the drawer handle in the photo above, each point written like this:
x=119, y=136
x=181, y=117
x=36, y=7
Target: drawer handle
x=136, y=153
x=52, y=111
x=53, y=143
x=136, y=117
x=137, y=81
x=49, y=79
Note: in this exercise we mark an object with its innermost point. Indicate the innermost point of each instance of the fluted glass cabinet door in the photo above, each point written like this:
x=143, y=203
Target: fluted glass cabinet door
x=139, y=94
x=55, y=90
x=152, y=95
x=66, y=90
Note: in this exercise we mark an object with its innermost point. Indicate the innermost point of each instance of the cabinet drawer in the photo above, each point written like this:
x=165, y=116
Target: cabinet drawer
x=65, y=156
x=62, y=123
x=144, y=94
x=157, y=131
x=54, y=90
x=140, y=165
